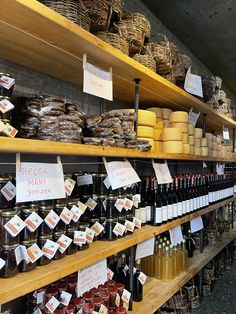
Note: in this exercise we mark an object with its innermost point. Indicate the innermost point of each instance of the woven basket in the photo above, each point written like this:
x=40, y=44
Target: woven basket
x=181, y=66
x=116, y=10
x=162, y=55
x=73, y=10
x=99, y=13
x=146, y=60
x=115, y=40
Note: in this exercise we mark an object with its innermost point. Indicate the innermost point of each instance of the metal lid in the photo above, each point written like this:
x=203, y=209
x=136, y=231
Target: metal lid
x=9, y=212
x=9, y=247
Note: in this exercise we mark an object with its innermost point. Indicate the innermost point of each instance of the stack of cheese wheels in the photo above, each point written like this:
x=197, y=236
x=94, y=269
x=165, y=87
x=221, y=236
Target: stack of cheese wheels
x=172, y=140
x=197, y=141
x=209, y=137
x=166, y=116
x=191, y=137
x=159, y=126
x=157, y=111
x=204, y=146
x=179, y=119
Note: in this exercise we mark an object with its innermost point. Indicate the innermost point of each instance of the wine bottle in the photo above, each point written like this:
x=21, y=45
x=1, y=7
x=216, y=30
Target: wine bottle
x=138, y=287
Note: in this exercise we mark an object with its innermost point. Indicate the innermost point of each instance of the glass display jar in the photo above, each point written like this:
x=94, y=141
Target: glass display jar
x=97, y=301
x=23, y=266
x=61, y=226
x=121, y=310
x=70, y=309
x=5, y=237
x=43, y=260
x=110, y=225
x=88, y=308
x=105, y=298
x=26, y=234
x=79, y=303
x=72, y=283
x=7, y=253
x=4, y=91
x=72, y=248
x=111, y=210
x=43, y=229
x=112, y=291
x=87, y=296
x=58, y=254
x=4, y=203
x=95, y=292
x=101, y=188
x=49, y=293
x=82, y=227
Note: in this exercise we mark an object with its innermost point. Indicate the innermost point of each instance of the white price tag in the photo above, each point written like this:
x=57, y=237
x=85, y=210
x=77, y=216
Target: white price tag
x=85, y=180
x=176, y=235
x=18, y=255
x=77, y=212
x=5, y=105
x=52, y=219
x=204, y=165
x=129, y=225
x=6, y=81
x=226, y=134
x=40, y=297
x=10, y=130
x=49, y=249
x=193, y=83
x=103, y=309
x=126, y=296
x=162, y=173
x=110, y=273
x=52, y=304
x=14, y=226
x=66, y=215
x=97, y=228
x=65, y=298
x=79, y=237
x=63, y=243
x=142, y=278
x=9, y=191
x=37, y=311
x=145, y=248
x=128, y=204
x=89, y=235
x=33, y=221
x=2, y=126
x=220, y=168
x=117, y=300
x=24, y=254
x=196, y=224
x=2, y=263
x=69, y=186
x=91, y=204
x=82, y=206
x=119, y=229
x=137, y=222
x=136, y=200
x=193, y=117
x=34, y=253
x=119, y=204
x=107, y=183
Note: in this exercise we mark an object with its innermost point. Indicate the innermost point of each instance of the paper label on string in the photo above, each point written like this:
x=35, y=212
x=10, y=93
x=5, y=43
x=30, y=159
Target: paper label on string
x=89, y=235
x=136, y=200
x=65, y=298
x=119, y=204
x=52, y=304
x=24, y=254
x=110, y=273
x=14, y=226
x=162, y=173
x=129, y=225
x=142, y=278
x=104, y=204
x=176, y=235
x=121, y=174
x=145, y=248
x=66, y=215
x=107, y=183
x=126, y=296
x=103, y=309
x=79, y=237
x=137, y=222
x=193, y=117
x=2, y=263
x=52, y=219
x=128, y=204
x=117, y=300
x=69, y=186
x=193, y=83
x=5, y=105
x=226, y=134
x=2, y=126
x=91, y=204
x=18, y=255
x=119, y=229
x=97, y=228
x=196, y=224
x=33, y=221
x=9, y=191
x=63, y=243
x=9, y=130
x=49, y=249
x=21, y=254
x=82, y=206
x=34, y=253
x=6, y=81
x=77, y=212
x=85, y=180
x=204, y=165
x=220, y=168
x=40, y=297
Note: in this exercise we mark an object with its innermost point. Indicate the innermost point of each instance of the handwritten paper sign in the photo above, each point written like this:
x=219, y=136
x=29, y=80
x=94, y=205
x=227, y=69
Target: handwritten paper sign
x=220, y=168
x=176, y=235
x=193, y=117
x=196, y=224
x=121, y=174
x=96, y=81
x=225, y=133
x=91, y=277
x=145, y=248
x=39, y=181
x=193, y=83
x=162, y=173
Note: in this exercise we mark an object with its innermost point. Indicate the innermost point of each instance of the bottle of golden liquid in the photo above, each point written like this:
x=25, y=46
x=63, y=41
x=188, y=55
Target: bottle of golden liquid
x=179, y=259
x=185, y=256
x=174, y=260
x=167, y=265
x=158, y=262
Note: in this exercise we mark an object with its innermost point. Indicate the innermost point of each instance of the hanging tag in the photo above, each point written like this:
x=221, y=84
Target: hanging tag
x=18, y=255
x=107, y=183
x=128, y=204
x=119, y=204
x=91, y=204
x=66, y=215
x=52, y=219
x=142, y=278
x=65, y=298
x=52, y=304
x=176, y=235
x=14, y=226
x=193, y=117
x=33, y=221
x=89, y=235
x=63, y=243
x=40, y=297
x=225, y=133
x=136, y=200
x=119, y=229
x=69, y=186
x=6, y=81
x=110, y=273
x=104, y=204
x=2, y=263
x=196, y=224
x=137, y=222
x=79, y=237
x=82, y=206
x=126, y=296
x=162, y=173
x=193, y=83
x=117, y=300
x=129, y=225
x=77, y=212
x=34, y=253
x=204, y=165
x=103, y=309
x=9, y=191
x=145, y=248
x=85, y=180
x=2, y=126
x=5, y=105
x=24, y=254
x=97, y=228
x=49, y=249
x=10, y=130
x=37, y=311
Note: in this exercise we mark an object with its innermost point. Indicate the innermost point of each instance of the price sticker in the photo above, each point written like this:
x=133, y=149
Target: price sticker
x=225, y=133
x=120, y=203
x=66, y=215
x=136, y=199
x=49, y=249
x=128, y=204
x=52, y=219
x=33, y=221
x=18, y=255
x=89, y=235
x=126, y=296
x=77, y=212
x=52, y=304
x=107, y=183
x=2, y=126
x=14, y=226
x=69, y=186
x=2, y=263
x=137, y=222
x=10, y=130
x=5, y=105
x=91, y=204
x=97, y=228
x=103, y=309
x=129, y=225
x=40, y=297
x=37, y=311
x=117, y=300
x=110, y=273
x=85, y=180
x=65, y=298
x=79, y=237
x=34, y=253
x=142, y=278
x=119, y=229
x=9, y=191
x=82, y=206
x=6, y=81
x=63, y=243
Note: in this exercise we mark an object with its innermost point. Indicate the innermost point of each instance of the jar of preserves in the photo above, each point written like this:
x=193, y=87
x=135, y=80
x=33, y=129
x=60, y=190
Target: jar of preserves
x=120, y=287
x=4, y=203
x=121, y=310
x=79, y=303
x=5, y=237
x=105, y=298
x=23, y=266
x=43, y=260
x=112, y=291
x=97, y=301
x=62, y=286
x=72, y=283
x=6, y=115
x=7, y=253
x=103, y=287
x=72, y=248
x=3, y=90
x=26, y=234
x=43, y=229
x=110, y=225
x=70, y=204
x=111, y=210
x=87, y=296
x=61, y=226
x=49, y=293
x=102, y=235
x=101, y=205
x=111, y=283
x=60, y=311
x=58, y=254
x=101, y=188
x=95, y=292
x=88, y=308
x=82, y=227
x=70, y=309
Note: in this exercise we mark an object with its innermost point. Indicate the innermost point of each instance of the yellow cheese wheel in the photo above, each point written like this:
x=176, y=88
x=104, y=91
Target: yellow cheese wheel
x=204, y=142
x=197, y=151
x=197, y=142
x=157, y=135
x=214, y=153
x=171, y=134
x=215, y=146
x=157, y=111
x=191, y=140
x=145, y=117
x=158, y=146
x=150, y=140
x=185, y=138
x=198, y=133
x=214, y=138
x=159, y=125
x=166, y=113
x=219, y=139
x=145, y=131
x=210, y=144
x=186, y=149
x=166, y=123
x=210, y=152
x=158, y=119
x=173, y=147
x=190, y=129
x=191, y=149
x=204, y=151
x=182, y=126
x=208, y=136
x=178, y=116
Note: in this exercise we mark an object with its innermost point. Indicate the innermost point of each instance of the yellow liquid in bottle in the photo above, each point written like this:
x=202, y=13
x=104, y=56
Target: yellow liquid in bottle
x=167, y=266
x=158, y=263
x=179, y=260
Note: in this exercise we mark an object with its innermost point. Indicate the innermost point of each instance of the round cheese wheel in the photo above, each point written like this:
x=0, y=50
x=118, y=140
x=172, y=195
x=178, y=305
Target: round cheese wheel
x=198, y=133
x=173, y=147
x=157, y=111
x=191, y=149
x=182, y=126
x=210, y=152
x=204, y=142
x=157, y=135
x=204, y=151
x=197, y=143
x=166, y=123
x=171, y=134
x=145, y=117
x=197, y=151
x=179, y=116
x=219, y=139
x=185, y=138
x=166, y=113
x=214, y=153
x=186, y=149
x=159, y=125
x=214, y=138
x=191, y=140
x=145, y=131
x=158, y=119
x=150, y=140
x=215, y=146
x=158, y=146
x=190, y=129
x=208, y=136
x=210, y=144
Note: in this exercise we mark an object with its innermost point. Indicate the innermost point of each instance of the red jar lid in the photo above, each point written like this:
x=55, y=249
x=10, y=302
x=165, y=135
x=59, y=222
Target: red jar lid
x=112, y=312
x=87, y=296
x=59, y=311
x=120, y=286
x=97, y=301
x=62, y=286
x=51, y=291
x=103, y=287
x=104, y=295
x=121, y=310
x=79, y=303
x=112, y=290
x=72, y=281
x=95, y=291
x=88, y=306
x=111, y=283
x=69, y=309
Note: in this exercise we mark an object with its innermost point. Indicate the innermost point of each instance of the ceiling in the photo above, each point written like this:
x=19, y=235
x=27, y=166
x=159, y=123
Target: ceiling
x=207, y=29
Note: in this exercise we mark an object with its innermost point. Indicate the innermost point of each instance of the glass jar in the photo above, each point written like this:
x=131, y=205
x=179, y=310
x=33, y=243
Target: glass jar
x=110, y=225
x=60, y=311
x=111, y=283
x=88, y=308
x=121, y=310
x=101, y=205
x=72, y=202
x=58, y=254
x=101, y=188
x=95, y=292
x=49, y=293
x=5, y=237
x=82, y=227
x=4, y=203
x=26, y=234
x=103, y=287
x=43, y=229
x=97, y=301
x=43, y=260
x=61, y=226
x=62, y=286
x=79, y=303
x=105, y=298
x=23, y=266
x=4, y=91
x=120, y=287
x=72, y=283
x=6, y=115
x=70, y=309
x=87, y=296
x=112, y=291
x=111, y=210
x=7, y=253
x=72, y=248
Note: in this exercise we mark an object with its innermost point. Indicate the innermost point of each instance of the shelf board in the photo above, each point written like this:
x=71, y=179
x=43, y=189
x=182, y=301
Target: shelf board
x=24, y=283
x=19, y=145
x=157, y=292
x=37, y=37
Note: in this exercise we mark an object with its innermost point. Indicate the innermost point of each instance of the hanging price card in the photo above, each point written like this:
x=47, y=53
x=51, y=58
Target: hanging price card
x=162, y=173
x=176, y=235
x=9, y=191
x=145, y=248
x=193, y=83
x=196, y=224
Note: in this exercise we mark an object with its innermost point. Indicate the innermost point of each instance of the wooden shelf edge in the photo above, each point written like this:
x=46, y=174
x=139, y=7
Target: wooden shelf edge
x=157, y=292
x=24, y=283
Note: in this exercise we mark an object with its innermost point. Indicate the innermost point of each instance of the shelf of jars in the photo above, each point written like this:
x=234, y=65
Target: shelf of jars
x=45, y=41
x=18, y=145
x=157, y=292
x=23, y=283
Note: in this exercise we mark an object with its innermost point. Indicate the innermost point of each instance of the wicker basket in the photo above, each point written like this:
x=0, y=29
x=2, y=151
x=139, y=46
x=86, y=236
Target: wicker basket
x=73, y=10
x=162, y=55
x=115, y=40
x=181, y=66
x=146, y=60
x=99, y=13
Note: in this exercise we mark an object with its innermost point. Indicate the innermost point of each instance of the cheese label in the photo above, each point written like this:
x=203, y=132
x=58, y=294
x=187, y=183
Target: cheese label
x=110, y=273
x=65, y=298
x=142, y=278
x=119, y=229
x=129, y=225
x=126, y=296
x=6, y=81
x=91, y=204
x=89, y=235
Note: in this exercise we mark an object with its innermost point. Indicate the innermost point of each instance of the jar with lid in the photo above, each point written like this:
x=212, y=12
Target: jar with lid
x=5, y=237
x=111, y=283
x=60, y=311
x=49, y=293
x=101, y=188
x=103, y=287
x=88, y=308
x=43, y=260
x=105, y=298
x=23, y=266
x=58, y=254
x=3, y=90
x=102, y=235
x=82, y=227
x=110, y=225
x=97, y=302
x=7, y=253
x=62, y=286
x=6, y=115
x=120, y=287
x=72, y=202
x=72, y=248
x=61, y=226
x=87, y=296
x=88, y=189
x=95, y=292
x=43, y=229
x=121, y=310
x=70, y=309
x=112, y=291
x=4, y=203
x=111, y=210
x=72, y=283
x=26, y=234
x=79, y=303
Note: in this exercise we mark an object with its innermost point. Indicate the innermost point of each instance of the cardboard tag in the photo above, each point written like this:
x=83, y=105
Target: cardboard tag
x=9, y=191
x=77, y=212
x=106, y=182
x=37, y=311
x=226, y=134
x=85, y=180
x=196, y=224
x=79, y=237
x=6, y=81
x=220, y=168
x=145, y=248
x=2, y=126
x=117, y=300
x=119, y=229
x=126, y=296
x=66, y=215
x=2, y=263
x=193, y=83
x=40, y=297
x=110, y=273
x=69, y=186
x=34, y=253
x=10, y=130
x=119, y=204
x=129, y=225
x=204, y=165
x=193, y=117
x=33, y=221
x=176, y=235
x=89, y=235
x=103, y=309
x=128, y=204
x=97, y=228
x=18, y=255
x=91, y=204
x=136, y=200
x=52, y=219
x=137, y=222
x=65, y=298
x=63, y=243
x=52, y=304
x=82, y=206
x=5, y=105
x=14, y=226
x=49, y=249
x=162, y=173
x=142, y=278
x=24, y=254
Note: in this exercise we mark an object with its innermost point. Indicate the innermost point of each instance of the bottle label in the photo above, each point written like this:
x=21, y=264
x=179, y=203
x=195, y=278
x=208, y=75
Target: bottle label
x=175, y=210
x=170, y=211
x=210, y=197
x=188, y=208
x=158, y=215
x=143, y=214
x=192, y=204
x=180, y=209
x=184, y=207
x=148, y=211
x=164, y=213
x=195, y=203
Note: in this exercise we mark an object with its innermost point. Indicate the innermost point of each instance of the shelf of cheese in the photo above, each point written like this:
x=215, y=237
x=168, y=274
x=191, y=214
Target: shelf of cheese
x=19, y=145
x=37, y=37
x=24, y=283
x=157, y=292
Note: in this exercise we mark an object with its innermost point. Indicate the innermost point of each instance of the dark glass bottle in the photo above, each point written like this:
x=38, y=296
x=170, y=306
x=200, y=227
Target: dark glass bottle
x=169, y=202
x=138, y=287
x=157, y=213
x=189, y=244
x=175, y=200
x=164, y=203
x=179, y=196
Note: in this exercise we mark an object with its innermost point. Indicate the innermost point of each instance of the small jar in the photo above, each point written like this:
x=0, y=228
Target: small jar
x=82, y=227
x=103, y=287
x=101, y=188
x=4, y=91
x=61, y=226
x=70, y=309
x=112, y=291
x=58, y=254
x=60, y=311
x=23, y=266
x=110, y=225
x=5, y=237
x=43, y=260
x=43, y=229
x=79, y=303
x=72, y=202
x=120, y=287
x=6, y=115
x=72, y=248
x=111, y=210
x=88, y=308
x=95, y=292
x=26, y=234
x=62, y=286
x=72, y=283
x=49, y=293
x=87, y=296
x=7, y=253
x=111, y=283
x=97, y=302
x=105, y=298
x=121, y=310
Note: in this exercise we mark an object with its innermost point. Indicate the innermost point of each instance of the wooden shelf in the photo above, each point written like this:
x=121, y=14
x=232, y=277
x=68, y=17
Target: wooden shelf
x=24, y=283
x=19, y=145
x=157, y=292
x=37, y=37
